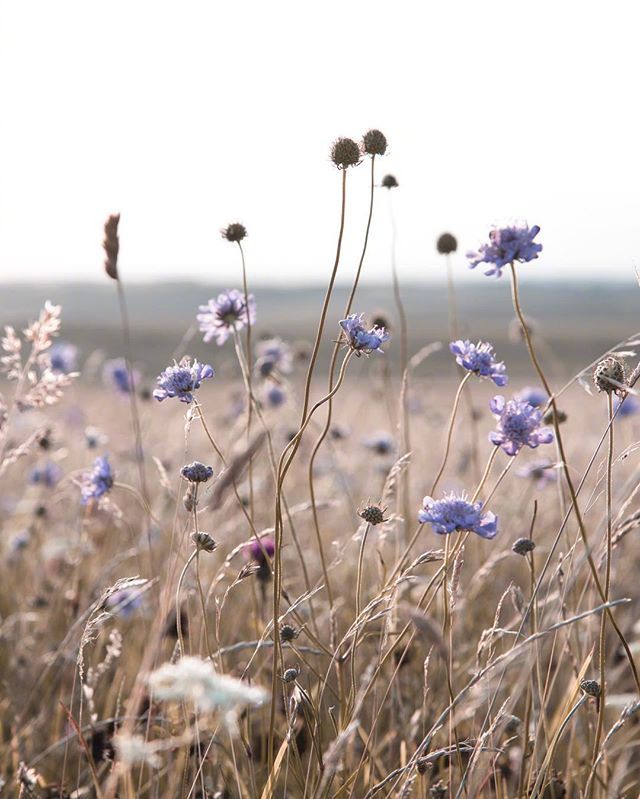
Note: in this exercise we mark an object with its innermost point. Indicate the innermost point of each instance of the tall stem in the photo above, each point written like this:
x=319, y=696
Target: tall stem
x=249, y=375
x=452, y=419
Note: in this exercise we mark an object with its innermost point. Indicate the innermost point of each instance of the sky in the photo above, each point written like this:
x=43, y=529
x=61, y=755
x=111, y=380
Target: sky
x=185, y=116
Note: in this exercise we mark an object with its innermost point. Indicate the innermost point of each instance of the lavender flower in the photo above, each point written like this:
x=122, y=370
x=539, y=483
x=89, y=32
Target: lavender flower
x=480, y=359
x=518, y=425
x=273, y=355
x=98, y=481
x=182, y=379
x=63, y=357
x=533, y=395
x=219, y=317
x=116, y=375
x=454, y=513
x=542, y=472
x=124, y=603
x=505, y=245
x=361, y=340
x=48, y=474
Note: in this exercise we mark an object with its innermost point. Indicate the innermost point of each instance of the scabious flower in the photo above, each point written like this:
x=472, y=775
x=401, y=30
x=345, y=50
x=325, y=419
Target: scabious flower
x=534, y=395
x=125, y=602
x=98, y=481
x=455, y=513
x=196, y=472
x=221, y=316
x=542, y=472
x=518, y=425
x=116, y=375
x=505, y=245
x=182, y=379
x=630, y=407
x=480, y=359
x=273, y=355
x=63, y=357
x=361, y=340
x=48, y=474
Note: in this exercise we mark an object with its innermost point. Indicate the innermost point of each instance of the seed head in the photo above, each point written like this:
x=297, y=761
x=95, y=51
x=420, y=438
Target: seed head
x=591, y=688
x=111, y=245
x=608, y=374
x=196, y=472
x=374, y=142
x=523, y=546
x=373, y=514
x=234, y=232
x=291, y=674
x=389, y=182
x=203, y=541
x=345, y=153
x=288, y=633
x=446, y=244
x=560, y=417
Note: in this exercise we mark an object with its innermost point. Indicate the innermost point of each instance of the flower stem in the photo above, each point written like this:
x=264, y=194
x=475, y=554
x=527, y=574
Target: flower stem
x=452, y=419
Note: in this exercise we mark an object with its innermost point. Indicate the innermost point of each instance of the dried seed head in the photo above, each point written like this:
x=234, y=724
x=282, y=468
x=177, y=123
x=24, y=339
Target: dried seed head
x=523, y=546
x=609, y=374
x=374, y=142
x=513, y=725
x=111, y=245
x=380, y=319
x=373, y=514
x=291, y=674
x=389, y=182
x=446, y=244
x=288, y=633
x=345, y=153
x=234, y=232
x=196, y=472
x=590, y=687
x=203, y=541
x=560, y=416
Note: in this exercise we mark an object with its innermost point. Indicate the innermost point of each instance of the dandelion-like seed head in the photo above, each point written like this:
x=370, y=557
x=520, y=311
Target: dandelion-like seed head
x=203, y=541
x=345, y=153
x=389, y=182
x=374, y=142
x=235, y=232
x=196, y=472
x=446, y=244
x=610, y=375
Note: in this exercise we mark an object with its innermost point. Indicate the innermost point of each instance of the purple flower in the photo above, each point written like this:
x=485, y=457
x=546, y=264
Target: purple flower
x=125, y=602
x=533, y=395
x=273, y=354
x=361, y=340
x=380, y=443
x=541, y=472
x=505, y=245
x=116, y=375
x=48, y=474
x=274, y=396
x=98, y=481
x=630, y=406
x=258, y=550
x=219, y=317
x=63, y=357
x=182, y=379
x=518, y=425
x=480, y=359
x=453, y=513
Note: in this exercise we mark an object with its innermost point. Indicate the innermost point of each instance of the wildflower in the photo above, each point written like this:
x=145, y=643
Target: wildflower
x=455, y=513
x=203, y=541
x=63, y=357
x=124, y=603
x=345, y=153
x=373, y=514
x=610, y=375
x=542, y=472
x=361, y=340
x=374, y=142
x=533, y=395
x=98, y=481
x=506, y=245
x=446, y=244
x=197, y=472
x=630, y=406
x=48, y=474
x=234, y=232
x=262, y=551
x=480, y=359
x=389, y=182
x=273, y=355
x=522, y=546
x=518, y=425
x=274, y=396
x=380, y=443
x=116, y=375
x=221, y=316
x=181, y=380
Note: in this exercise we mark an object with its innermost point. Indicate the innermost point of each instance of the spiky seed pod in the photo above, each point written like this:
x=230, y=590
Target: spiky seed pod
x=523, y=546
x=345, y=153
x=203, y=541
x=374, y=142
x=609, y=374
x=560, y=416
x=111, y=245
x=373, y=514
x=288, y=633
x=591, y=688
x=234, y=232
x=389, y=182
x=446, y=244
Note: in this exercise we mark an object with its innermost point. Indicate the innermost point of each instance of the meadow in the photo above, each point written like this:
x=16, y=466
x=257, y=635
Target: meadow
x=336, y=566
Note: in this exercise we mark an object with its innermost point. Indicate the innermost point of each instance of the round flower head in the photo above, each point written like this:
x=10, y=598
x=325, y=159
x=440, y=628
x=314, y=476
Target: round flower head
x=630, y=406
x=374, y=142
x=63, y=357
x=116, y=375
x=182, y=379
x=258, y=550
x=610, y=375
x=234, y=232
x=505, y=245
x=361, y=340
x=98, y=481
x=534, y=395
x=455, y=513
x=389, y=182
x=273, y=355
x=345, y=153
x=274, y=396
x=480, y=359
x=446, y=244
x=518, y=425
x=196, y=472
x=47, y=475
x=221, y=316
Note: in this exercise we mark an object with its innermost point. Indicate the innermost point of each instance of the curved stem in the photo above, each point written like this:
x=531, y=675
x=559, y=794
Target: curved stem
x=452, y=419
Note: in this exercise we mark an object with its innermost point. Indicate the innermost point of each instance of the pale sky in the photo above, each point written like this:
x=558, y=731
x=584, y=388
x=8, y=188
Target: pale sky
x=187, y=115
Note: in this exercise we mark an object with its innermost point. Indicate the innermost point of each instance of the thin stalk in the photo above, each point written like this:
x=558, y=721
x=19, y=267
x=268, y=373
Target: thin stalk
x=180, y=580
x=452, y=419
x=249, y=376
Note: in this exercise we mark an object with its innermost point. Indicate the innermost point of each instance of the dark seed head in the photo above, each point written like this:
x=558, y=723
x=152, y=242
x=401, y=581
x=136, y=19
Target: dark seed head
x=345, y=153
x=523, y=545
x=446, y=244
x=373, y=514
x=389, y=182
x=288, y=633
x=203, y=541
x=560, y=416
x=590, y=687
x=291, y=674
x=196, y=472
x=608, y=374
x=111, y=245
x=374, y=142
x=234, y=232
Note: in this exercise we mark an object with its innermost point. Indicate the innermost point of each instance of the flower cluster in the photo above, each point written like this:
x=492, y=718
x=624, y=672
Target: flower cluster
x=182, y=379
x=518, y=425
x=506, y=245
x=361, y=340
x=480, y=359
x=98, y=481
x=455, y=513
x=228, y=312
x=196, y=472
